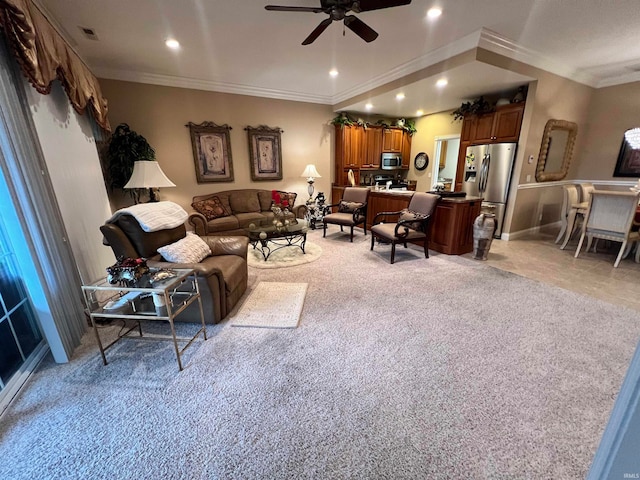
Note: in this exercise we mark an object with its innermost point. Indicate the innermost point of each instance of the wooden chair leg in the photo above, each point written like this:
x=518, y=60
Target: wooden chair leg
x=571, y=222
x=622, y=248
x=426, y=248
x=373, y=239
x=341, y=229
x=579, y=246
x=351, y=233
x=324, y=230
x=393, y=251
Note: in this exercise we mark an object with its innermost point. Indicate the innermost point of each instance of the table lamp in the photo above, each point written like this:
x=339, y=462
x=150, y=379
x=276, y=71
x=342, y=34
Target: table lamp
x=148, y=174
x=311, y=174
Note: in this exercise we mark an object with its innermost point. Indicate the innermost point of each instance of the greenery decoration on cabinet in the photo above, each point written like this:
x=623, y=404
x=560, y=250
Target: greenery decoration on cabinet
x=476, y=107
x=343, y=118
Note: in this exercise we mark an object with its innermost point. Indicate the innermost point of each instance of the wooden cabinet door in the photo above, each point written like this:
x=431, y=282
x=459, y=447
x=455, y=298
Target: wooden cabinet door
x=468, y=128
x=483, y=131
x=406, y=150
x=392, y=140
x=373, y=147
x=349, y=149
x=507, y=123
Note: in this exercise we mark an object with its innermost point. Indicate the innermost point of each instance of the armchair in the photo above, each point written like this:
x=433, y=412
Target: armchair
x=222, y=276
x=352, y=211
x=412, y=223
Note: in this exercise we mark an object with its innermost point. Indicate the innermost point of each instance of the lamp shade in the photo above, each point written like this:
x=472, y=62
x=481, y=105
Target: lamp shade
x=311, y=172
x=148, y=174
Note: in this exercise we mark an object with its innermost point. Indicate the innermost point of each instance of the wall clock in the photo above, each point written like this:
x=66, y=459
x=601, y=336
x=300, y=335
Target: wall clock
x=421, y=161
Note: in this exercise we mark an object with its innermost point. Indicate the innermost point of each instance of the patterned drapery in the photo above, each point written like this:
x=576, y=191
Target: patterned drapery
x=44, y=56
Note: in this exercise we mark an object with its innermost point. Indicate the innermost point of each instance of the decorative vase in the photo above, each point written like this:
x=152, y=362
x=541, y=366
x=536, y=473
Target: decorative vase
x=483, y=227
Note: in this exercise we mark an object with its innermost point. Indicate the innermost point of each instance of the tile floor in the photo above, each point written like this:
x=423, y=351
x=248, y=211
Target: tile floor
x=539, y=258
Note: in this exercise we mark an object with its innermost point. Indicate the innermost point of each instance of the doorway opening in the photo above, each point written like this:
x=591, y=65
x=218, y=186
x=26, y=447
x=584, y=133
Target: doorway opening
x=445, y=163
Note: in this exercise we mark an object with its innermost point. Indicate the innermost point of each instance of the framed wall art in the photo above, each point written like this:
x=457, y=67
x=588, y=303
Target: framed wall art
x=265, y=153
x=628, y=164
x=211, y=152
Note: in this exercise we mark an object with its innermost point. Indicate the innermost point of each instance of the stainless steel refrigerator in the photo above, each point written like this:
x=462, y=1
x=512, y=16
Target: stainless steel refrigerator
x=487, y=173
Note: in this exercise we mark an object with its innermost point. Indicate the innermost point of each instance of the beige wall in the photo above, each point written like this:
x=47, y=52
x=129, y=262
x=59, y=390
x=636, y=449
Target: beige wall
x=161, y=113
x=613, y=110
x=428, y=128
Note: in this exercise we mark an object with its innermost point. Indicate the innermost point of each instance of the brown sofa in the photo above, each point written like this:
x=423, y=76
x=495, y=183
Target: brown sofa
x=236, y=210
x=222, y=276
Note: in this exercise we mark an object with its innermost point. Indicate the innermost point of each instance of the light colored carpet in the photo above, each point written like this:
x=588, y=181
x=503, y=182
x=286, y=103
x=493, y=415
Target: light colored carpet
x=439, y=368
x=285, y=257
x=272, y=305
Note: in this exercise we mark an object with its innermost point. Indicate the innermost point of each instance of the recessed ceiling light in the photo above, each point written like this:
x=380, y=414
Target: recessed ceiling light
x=420, y=113
x=434, y=12
x=368, y=106
x=400, y=96
x=172, y=43
x=333, y=73
x=442, y=82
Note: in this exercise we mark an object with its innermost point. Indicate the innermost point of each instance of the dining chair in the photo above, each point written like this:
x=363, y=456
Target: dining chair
x=570, y=198
x=577, y=210
x=610, y=216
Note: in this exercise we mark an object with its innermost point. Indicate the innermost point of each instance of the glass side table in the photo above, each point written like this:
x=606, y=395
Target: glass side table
x=149, y=298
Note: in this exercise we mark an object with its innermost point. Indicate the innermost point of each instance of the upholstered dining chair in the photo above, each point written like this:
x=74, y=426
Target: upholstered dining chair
x=577, y=209
x=610, y=216
x=352, y=211
x=412, y=223
x=571, y=197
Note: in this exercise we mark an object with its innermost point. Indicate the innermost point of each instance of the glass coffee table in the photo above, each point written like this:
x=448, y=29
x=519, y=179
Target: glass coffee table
x=271, y=238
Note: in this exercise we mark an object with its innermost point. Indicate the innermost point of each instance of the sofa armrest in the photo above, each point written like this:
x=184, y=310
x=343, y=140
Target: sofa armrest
x=300, y=211
x=231, y=245
x=199, y=223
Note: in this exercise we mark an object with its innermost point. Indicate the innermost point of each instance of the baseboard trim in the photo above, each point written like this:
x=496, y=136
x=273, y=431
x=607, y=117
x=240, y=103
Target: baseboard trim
x=529, y=231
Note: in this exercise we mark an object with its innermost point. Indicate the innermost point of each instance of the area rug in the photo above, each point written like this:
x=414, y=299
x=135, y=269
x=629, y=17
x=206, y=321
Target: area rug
x=285, y=257
x=272, y=305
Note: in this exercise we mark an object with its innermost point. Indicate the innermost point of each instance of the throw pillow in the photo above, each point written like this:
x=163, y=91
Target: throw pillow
x=408, y=215
x=190, y=249
x=349, y=207
x=211, y=208
x=289, y=197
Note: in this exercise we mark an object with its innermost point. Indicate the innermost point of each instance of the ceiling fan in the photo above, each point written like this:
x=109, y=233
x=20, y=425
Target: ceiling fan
x=337, y=10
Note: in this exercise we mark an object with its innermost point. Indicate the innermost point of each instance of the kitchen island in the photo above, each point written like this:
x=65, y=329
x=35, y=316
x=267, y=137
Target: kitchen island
x=450, y=229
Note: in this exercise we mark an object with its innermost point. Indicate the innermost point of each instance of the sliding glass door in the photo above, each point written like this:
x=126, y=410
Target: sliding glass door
x=20, y=336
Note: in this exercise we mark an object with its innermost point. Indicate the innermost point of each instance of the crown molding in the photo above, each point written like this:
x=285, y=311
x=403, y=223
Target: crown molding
x=627, y=78
x=496, y=43
x=196, y=84
x=439, y=55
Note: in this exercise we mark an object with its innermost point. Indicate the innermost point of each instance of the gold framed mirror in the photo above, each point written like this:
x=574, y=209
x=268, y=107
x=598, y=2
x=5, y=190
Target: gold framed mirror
x=556, y=150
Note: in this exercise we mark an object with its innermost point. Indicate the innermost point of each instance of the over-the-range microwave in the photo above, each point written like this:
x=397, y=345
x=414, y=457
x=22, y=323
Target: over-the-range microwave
x=391, y=161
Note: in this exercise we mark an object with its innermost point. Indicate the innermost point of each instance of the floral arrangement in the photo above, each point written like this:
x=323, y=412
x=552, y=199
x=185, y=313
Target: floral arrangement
x=127, y=270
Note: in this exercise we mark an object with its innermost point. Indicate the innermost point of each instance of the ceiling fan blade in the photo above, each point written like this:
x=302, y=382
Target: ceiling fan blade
x=368, y=5
x=318, y=30
x=279, y=8
x=360, y=28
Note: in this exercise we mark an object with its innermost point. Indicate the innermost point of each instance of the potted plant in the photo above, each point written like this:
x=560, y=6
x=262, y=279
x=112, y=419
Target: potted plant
x=126, y=147
x=476, y=107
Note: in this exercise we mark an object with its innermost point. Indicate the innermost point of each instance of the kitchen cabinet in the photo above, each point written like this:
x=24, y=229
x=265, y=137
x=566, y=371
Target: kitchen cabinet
x=503, y=125
x=349, y=146
x=406, y=150
x=372, y=147
x=392, y=140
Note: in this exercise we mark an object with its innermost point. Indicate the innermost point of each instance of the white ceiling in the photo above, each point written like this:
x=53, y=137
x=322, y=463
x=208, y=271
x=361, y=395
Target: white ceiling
x=237, y=46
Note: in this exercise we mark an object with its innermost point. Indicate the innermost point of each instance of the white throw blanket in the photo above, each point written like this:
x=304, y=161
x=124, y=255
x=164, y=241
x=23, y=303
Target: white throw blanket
x=154, y=216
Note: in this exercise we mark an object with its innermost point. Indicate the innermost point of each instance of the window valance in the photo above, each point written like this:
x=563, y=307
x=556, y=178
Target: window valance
x=44, y=55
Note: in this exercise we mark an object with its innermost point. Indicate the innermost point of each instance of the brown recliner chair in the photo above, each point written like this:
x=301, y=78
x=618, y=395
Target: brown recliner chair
x=222, y=276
